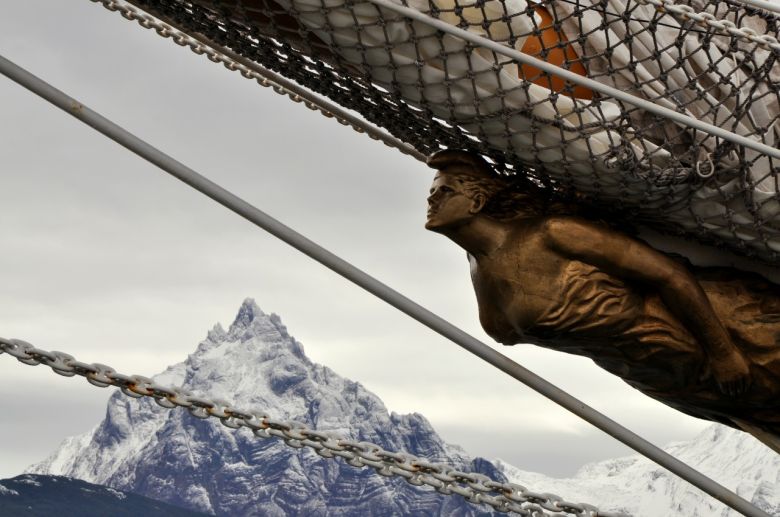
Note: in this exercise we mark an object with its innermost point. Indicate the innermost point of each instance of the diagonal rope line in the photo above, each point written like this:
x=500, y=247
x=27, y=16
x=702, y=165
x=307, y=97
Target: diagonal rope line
x=217, y=53
x=605, y=12
x=594, y=85
x=760, y=4
x=201, y=45
x=148, y=22
x=373, y=286
x=434, y=92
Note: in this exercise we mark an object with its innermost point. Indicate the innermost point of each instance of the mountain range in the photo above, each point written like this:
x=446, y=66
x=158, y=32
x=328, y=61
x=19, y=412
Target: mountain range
x=200, y=465
x=639, y=487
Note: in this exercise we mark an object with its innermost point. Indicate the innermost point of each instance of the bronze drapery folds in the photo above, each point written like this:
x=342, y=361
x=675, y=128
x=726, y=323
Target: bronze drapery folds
x=705, y=341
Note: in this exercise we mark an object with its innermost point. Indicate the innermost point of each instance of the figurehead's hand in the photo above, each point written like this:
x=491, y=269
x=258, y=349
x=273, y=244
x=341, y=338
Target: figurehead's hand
x=731, y=372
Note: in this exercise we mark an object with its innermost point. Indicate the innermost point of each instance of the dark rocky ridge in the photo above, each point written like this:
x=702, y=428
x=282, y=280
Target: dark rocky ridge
x=33, y=495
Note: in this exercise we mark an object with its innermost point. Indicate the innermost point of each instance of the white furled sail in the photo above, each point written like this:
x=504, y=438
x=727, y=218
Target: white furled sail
x=715, y=61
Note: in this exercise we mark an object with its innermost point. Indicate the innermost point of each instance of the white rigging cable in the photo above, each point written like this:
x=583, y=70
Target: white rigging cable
x=760, y=4
x=594, y=85
x=233, y=61
x=656, y=167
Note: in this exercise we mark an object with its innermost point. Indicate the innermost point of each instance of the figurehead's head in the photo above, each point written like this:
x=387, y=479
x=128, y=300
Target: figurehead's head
x=466, y=186
x=460, y=189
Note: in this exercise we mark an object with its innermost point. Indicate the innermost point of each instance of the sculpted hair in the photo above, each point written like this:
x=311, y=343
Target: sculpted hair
x=507, y=197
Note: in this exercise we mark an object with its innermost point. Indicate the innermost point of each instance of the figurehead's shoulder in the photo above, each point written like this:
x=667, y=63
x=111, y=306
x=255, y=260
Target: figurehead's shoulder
x=559, y=224
x=572, y=232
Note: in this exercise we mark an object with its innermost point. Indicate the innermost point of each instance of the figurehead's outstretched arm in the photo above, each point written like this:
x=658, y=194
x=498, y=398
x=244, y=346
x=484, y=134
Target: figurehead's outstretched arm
x=630, y=259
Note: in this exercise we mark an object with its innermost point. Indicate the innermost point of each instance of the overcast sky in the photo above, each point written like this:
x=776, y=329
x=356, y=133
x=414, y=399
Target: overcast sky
x=109, y=259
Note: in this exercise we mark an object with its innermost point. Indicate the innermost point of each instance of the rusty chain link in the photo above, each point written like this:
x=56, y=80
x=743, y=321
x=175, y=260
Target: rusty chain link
x=263, y=77
x=475, y=488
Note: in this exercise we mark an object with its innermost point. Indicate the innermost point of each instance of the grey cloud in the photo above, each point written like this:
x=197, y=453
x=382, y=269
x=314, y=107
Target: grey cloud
x=106, y=257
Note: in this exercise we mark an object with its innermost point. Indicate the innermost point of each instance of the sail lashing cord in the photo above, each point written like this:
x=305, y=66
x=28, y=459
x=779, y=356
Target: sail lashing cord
x=234, y=62
x=714, y=64
x=373, y=286
x=655, y=109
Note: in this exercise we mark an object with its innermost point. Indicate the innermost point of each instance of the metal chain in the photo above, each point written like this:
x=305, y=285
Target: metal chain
x=687, y=12
x=267, y=78
x=263, y=77
x=475, y=488
x=725, y=27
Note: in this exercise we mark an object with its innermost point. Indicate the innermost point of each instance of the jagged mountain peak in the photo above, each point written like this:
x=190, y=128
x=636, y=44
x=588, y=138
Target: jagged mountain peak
x=257, y=365
x=255, y=335
x=247, y=314
x=251, y=321
x=217, y=333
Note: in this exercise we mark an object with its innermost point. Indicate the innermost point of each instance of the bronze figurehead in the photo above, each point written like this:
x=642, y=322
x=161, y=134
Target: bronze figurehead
x=705, y=341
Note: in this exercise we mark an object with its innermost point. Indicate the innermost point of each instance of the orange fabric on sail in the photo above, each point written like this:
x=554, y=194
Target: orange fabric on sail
x=559, y=53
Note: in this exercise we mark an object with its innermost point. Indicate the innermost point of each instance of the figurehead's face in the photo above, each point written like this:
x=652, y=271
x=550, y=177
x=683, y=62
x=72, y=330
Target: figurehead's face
x=448, y=204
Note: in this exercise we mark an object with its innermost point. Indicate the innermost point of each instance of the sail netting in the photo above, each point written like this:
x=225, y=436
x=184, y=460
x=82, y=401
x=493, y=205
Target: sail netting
x=435, y=90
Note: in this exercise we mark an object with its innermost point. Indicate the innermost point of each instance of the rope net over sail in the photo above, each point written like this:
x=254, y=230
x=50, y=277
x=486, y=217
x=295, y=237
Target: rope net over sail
x=715, y=61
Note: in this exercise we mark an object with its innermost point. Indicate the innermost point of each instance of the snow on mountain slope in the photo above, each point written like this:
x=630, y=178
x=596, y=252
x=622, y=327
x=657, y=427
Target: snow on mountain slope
x=173, y=457
x=639, y=487
x=170, y=456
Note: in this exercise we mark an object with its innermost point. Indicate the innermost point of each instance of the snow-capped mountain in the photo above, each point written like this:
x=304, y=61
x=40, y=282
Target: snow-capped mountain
x=199, y=464
x=173, y=457
x=639, y=487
